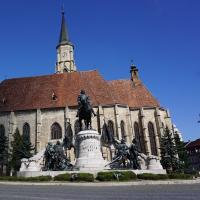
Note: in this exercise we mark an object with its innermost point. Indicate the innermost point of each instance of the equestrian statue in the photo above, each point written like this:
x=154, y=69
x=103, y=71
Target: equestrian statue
x=85, y=110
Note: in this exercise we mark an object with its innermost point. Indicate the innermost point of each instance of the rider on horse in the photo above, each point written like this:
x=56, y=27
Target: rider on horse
x=84, y=99
x=85, y=110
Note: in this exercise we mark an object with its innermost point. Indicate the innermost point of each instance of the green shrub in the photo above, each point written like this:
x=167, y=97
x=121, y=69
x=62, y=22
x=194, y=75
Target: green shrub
x=10, y=178
x=62, y=177
x=195, y=173
x=7, y=178
x=105, y=176
x=28, y=179
x=116, y=176
x=39, y=178
x=125, y=175
x=149, y=176
x=86, y=177
x=20, y=178
x=180, y=176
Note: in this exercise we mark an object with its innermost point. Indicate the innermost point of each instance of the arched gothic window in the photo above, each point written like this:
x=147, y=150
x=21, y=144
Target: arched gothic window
x=69, y=132
x=26, y=132
x=163, y=126
x=76, y=127
x=56, y=131
x=139, y=138
x=111, y=129
x=123, y=133
x=152, y=138
x=2, y=130
x=68, y=140
x=107, y=137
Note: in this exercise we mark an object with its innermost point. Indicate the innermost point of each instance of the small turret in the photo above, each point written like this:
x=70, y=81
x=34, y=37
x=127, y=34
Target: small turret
x=134, y=75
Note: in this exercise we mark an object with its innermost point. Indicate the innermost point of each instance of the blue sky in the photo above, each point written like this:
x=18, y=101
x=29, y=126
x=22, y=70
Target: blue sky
x=161, y=37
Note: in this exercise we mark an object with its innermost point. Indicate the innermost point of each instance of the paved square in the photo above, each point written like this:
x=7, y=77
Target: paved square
x=154, y=192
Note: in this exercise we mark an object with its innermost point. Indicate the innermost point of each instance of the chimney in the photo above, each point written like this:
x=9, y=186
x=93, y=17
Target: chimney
x=135, y=75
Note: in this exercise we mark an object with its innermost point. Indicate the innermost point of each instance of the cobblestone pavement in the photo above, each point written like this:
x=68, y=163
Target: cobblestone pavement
x=56, y=192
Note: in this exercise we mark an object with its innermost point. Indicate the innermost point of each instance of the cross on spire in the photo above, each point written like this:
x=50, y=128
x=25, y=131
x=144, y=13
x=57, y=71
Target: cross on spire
x=64, y=38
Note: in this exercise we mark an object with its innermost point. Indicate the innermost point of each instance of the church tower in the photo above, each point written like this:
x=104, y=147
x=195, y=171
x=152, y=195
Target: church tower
x=65, y=50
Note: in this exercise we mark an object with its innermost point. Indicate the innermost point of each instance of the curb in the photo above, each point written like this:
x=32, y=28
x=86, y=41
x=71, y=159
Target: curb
x=100, y=184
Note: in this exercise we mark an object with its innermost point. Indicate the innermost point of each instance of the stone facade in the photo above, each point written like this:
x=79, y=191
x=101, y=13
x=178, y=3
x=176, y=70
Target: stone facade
x=41, y=121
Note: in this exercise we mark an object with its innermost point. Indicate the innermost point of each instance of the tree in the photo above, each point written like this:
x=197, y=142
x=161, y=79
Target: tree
x=16, y=151
x=21, y=148
x=168, y=148
x=182, y=153
x=27, y=147
x=3, y=149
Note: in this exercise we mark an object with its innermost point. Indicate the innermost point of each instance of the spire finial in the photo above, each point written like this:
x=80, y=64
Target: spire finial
x=132, y=64
x=131, y=61
x=64, y=38
x=62, y=9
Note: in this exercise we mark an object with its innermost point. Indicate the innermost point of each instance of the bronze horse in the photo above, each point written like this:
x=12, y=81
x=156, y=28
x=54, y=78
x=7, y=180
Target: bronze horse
x=85, y=112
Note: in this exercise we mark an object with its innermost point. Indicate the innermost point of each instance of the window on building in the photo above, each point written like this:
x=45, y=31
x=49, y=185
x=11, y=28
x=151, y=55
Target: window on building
x=26, y=132
x=123, y=133
x=2, y=130
x=56, y=131
x=68, y=140
x=106, y=138
x=77, y=127
x=139, y=138
x=111, y=129
x=69, y=132
x=152, y=138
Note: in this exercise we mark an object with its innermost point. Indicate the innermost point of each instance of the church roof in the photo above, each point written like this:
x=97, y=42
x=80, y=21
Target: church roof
x=61, y=90
x=134, y=96
x=193, y=144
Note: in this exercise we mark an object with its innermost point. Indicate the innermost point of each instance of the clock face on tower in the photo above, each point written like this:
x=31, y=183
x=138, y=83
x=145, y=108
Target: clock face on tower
x=64, y=55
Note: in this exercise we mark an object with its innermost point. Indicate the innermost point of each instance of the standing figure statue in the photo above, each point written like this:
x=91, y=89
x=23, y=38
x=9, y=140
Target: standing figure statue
x=49, y=157
x=133, y=155
x=85, y=110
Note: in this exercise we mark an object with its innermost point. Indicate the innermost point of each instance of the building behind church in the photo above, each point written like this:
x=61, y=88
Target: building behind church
x=193, y=152
x=45, y=107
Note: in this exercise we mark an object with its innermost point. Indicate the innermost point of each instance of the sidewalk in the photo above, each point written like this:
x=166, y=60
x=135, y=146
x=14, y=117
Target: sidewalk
x=96, y=184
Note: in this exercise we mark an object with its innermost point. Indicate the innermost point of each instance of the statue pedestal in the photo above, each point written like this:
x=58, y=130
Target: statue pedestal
x=154, y=163
x=88, y=149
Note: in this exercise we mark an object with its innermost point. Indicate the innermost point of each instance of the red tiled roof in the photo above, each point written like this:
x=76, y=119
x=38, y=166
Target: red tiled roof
x=134, y=96
x=36, y=92
x=193, y=144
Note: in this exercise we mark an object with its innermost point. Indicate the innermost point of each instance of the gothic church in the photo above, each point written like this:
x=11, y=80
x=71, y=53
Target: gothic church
x=45, y=107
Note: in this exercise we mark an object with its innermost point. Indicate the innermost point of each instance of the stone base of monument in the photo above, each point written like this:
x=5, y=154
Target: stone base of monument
x=88, y=159
x=154, y=164
x=89, y=155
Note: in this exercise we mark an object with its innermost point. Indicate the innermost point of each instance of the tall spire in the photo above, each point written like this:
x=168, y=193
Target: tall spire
x=64, y=38
x=65, y=50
